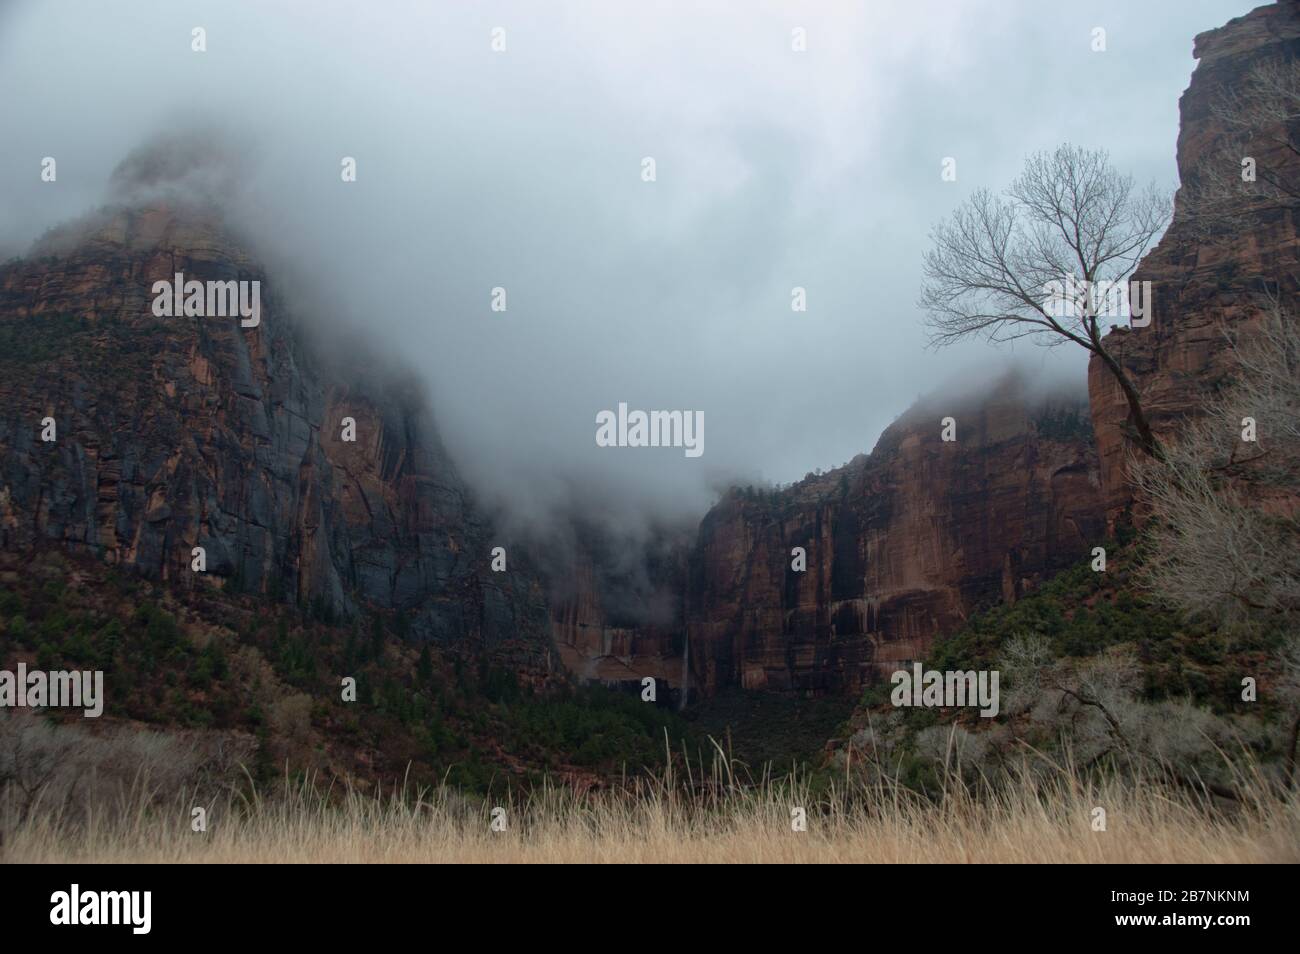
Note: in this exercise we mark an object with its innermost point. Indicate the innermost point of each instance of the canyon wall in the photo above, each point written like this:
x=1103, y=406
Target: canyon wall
x=183, y=432
x=900, y=546
x=1219, y=261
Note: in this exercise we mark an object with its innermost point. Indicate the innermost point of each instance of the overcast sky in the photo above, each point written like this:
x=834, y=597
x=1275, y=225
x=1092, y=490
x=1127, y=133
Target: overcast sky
x=522, y=169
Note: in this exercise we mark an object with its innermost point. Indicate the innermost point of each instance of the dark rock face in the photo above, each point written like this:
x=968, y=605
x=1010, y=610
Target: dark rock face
x=1205, y=285
x=180, y=432
x=618, y=607
x=900, y=546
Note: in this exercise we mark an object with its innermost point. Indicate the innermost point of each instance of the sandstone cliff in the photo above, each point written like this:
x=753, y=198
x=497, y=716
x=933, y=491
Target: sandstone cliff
x=1210, y=273
x=900, y=545
x=180, y=432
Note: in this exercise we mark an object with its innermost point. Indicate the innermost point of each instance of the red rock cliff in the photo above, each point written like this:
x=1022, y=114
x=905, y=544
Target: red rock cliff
x=180, y=432
x=1208, y=277
x=900, y=545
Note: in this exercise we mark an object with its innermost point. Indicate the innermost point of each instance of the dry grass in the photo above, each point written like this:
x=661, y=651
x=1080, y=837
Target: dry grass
x=718, y=821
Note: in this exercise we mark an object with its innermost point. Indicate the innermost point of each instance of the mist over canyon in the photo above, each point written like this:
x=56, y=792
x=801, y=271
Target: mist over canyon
x=773, y=172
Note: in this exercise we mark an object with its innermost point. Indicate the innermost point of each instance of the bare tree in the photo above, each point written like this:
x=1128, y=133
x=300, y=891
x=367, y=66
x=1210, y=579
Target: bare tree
x=1253, y=164
x=1031, y=262
x=32, y=756
x=1096, y=706
x=1225, y=532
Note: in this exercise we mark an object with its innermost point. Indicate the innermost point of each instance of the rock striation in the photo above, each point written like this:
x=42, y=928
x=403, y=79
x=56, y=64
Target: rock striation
x=182, y=432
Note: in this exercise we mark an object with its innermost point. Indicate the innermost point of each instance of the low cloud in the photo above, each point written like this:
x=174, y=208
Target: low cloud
x=522, y=170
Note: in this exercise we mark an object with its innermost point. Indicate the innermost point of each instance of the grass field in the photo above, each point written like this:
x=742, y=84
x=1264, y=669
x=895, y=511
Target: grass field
x=676, y=820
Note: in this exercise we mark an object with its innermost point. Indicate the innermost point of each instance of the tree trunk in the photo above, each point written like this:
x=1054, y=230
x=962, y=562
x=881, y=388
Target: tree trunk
x=1146, y=439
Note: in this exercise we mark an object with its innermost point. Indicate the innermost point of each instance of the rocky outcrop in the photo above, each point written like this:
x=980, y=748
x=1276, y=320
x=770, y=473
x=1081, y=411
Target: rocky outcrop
x=182, y=432
x=1210, y=274
x=900, y=546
